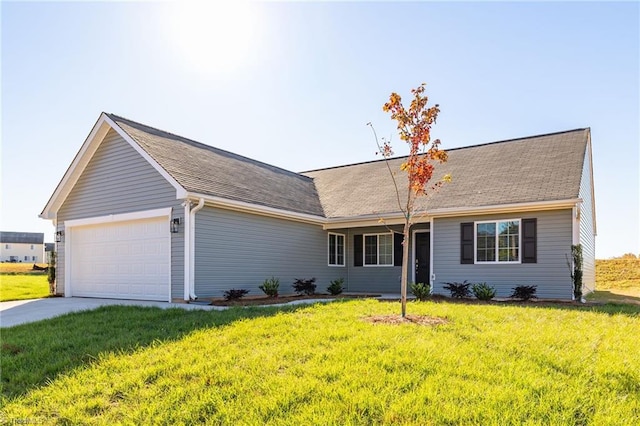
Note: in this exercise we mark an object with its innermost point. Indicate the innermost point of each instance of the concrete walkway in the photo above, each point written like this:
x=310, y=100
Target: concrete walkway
x=24, y=311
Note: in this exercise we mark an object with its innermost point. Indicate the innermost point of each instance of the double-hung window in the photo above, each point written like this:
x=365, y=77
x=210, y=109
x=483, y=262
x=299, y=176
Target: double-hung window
x=498, y=241
x=336, y=250
x=378, y=250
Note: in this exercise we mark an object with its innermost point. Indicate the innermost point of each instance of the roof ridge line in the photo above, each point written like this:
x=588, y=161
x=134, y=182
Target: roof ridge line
x=452, y=149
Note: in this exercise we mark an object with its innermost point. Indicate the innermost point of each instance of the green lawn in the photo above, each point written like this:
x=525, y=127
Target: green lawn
x=23, y=286
x=322, y=364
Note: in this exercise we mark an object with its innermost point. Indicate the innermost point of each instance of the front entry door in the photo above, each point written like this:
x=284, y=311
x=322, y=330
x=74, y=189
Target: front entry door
x=423, y=253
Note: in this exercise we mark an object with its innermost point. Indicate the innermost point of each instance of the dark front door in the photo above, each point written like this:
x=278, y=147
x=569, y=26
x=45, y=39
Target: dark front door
x=423, y=251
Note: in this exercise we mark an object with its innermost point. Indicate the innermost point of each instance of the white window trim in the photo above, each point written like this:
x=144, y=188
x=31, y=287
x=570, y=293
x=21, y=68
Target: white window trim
x=496, y=262
x=344, y=250
x=364, y=250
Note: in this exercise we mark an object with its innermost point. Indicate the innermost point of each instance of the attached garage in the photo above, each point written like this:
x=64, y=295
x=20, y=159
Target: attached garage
x=123, y=256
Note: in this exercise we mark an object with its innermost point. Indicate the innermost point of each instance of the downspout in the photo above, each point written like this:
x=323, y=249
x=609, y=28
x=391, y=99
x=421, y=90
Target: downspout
x=187, y=251
x=192, y=249
x=432, y=272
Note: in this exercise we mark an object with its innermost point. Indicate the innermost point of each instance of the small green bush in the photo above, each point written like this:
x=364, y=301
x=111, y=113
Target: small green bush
x=336, y=287
x=483, y=291
x=235, y=294
x=270, y=286
x=307, y=287
x=459, y=290
x=421, y=291
x=51, y=273
x=524, y=292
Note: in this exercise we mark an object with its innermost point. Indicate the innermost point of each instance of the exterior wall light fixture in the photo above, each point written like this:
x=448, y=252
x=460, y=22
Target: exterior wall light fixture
x=175, y=224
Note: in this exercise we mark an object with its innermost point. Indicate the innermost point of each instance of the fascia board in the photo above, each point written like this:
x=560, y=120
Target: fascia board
x=77, y=166
x=84, y=155
x=181, y=192
x=241, y=206
x=593, y=194
x=371, y=220
x=398, y=218
x=505, y=208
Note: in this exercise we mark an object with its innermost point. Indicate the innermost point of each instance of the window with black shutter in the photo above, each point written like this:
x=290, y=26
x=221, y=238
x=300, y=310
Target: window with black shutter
x=466, y=243
x=529, y=240
x=397, y=249
x=357, y=250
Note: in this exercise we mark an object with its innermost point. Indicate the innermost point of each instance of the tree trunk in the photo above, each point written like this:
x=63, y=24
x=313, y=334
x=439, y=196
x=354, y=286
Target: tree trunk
x=405, y=268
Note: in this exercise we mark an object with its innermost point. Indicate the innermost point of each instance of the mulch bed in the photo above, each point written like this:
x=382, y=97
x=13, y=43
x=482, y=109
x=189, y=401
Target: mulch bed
x=408, y=319
x=265, y=300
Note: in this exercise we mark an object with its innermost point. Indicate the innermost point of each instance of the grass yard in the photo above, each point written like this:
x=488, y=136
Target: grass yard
x=323, y=364
x=617, y=280
x=23, y=286
x=18, y=281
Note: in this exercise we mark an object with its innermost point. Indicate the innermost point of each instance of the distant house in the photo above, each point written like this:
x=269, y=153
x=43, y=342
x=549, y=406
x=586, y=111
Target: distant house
x=49, y=249
x=22, y=247
x=146, y=214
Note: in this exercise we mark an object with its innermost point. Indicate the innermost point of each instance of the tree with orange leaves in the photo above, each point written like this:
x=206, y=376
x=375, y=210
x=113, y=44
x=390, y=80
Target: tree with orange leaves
x=414, y=127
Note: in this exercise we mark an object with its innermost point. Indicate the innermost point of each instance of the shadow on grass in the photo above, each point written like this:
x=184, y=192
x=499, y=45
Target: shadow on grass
x=608, y=296
x=33, y=354
x=609, y=306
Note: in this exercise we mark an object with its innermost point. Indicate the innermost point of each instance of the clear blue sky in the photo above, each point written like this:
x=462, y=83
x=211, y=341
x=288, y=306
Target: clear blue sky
x=293, y=84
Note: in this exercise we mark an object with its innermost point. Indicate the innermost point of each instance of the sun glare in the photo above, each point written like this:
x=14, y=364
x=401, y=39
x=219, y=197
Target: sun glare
x=214, y=38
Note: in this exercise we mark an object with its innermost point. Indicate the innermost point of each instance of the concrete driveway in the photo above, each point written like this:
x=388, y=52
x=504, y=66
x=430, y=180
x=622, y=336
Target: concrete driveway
x=25, y=311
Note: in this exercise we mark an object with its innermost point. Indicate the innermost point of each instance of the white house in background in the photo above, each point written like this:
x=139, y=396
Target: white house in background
x=26, y=247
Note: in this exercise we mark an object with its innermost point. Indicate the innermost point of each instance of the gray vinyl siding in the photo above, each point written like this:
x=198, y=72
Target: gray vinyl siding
x=235, y=250
x=375, y=279
x=371, y=279
x=118, y=180
x=587, y=227
x=550, y=274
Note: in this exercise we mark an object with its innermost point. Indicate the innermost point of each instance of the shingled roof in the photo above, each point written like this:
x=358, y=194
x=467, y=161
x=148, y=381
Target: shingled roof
x=533, y=169
x=22, y=237
x=203, y=169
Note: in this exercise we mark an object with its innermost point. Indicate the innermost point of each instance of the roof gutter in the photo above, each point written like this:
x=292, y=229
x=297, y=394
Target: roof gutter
x=425, y=217
x=242, y=206
x=506, y=208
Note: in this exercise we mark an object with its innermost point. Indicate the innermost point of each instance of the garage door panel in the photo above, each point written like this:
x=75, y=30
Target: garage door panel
x=128, y=260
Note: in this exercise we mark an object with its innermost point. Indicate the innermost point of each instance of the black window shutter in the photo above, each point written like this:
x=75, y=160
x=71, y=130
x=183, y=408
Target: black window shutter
x=466, y=243
x=529, y=240
x=397, y=249
x=357, y=250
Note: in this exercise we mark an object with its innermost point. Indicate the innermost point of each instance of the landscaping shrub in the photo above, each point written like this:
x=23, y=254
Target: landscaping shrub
x=576, y=273
x=336, y=287
x=307, y=287
x=459, y=290
x=235, y=294
x=524, y=292
x=270, y=286
x=421, y=291
x=51, y=273
x=483, y=291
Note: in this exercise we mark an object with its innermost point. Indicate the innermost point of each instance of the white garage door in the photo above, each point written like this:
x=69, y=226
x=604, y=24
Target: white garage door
x=121, y=260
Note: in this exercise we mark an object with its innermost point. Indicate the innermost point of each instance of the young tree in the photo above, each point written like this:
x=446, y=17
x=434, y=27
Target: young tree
x=414, y=128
